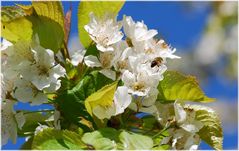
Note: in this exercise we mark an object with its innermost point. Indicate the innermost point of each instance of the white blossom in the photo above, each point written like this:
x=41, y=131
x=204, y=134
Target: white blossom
x=104, y=32
x=44, y=72
x=11, y=121
x=185, y=137
x=25, y=91
x=137, y=32
x=77, y=56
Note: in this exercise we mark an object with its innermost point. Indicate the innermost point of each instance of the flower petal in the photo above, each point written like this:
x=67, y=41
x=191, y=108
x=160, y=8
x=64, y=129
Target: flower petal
x=92, y=61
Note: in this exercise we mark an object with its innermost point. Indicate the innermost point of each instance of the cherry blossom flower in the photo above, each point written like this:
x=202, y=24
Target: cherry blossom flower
x=104, y=32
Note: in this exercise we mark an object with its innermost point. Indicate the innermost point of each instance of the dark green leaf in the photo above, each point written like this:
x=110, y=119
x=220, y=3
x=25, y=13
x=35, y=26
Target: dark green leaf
x=71, y=102
x=50, y=33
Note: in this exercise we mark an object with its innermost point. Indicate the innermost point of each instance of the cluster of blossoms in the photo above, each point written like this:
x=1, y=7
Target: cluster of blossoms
x=139, y=59
x=132, y=56
x=30, y=73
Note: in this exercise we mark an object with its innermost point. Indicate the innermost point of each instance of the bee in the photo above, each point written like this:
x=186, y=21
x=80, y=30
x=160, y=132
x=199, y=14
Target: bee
x=156, y=62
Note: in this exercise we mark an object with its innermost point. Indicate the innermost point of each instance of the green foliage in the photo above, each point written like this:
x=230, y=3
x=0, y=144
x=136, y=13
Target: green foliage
x=135, y=141
x=109, y=138
x=9, y=13
x=103, y=139
x=32, y=121
x=99, y=8
x=71, y=102
x=50, y=33
x=50, y=9
x=52, y=139
x=211, y=132
x=176, y=86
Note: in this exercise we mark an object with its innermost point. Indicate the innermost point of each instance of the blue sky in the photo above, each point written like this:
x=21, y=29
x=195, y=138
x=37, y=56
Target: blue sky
x=181, y=27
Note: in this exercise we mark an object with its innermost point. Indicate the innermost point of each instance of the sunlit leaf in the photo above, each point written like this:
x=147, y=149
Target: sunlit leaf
x=103, y=97
x=99, y=8
x=132, y=141
x=50, y=9
x=17, y=29
x=109, y=138
x=9, y=13
x=211, y=132
x=103, y=139
x=176, y=86
x=52, y=139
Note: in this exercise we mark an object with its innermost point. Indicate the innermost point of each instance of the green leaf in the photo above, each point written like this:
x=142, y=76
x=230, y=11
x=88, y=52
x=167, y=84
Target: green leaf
x=52, y=139
x=176, y=86
x=50, y=9
x=211, y=132
x=32, y=121
x=71, y=102
x=133, y=141
x=99, y=8
x=103, y=97
x=50, y=33
x=109, y=138
x=103, y=139
x=13, y=32
x=9, y=13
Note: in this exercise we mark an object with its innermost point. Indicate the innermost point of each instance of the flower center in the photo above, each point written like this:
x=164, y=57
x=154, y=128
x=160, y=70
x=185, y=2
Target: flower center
x=138, y=86
x=43, y=70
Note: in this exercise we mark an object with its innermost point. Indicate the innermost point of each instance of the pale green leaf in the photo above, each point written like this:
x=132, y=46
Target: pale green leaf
x=52, y=139
x=176, y=86
x=103, y=97
x=211, y=132
x=133, y=141
x=99, y=8
x=103, y=139
x=109, y=138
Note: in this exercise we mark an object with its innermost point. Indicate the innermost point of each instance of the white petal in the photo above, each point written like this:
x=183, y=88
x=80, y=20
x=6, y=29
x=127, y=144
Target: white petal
x=77, y=57
x=92, y=61
x=108, y=73
x=180, y=114
x=128, y=78
x=121, y=99
x=148, y=35
x=150, y=100
x=103, y=113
